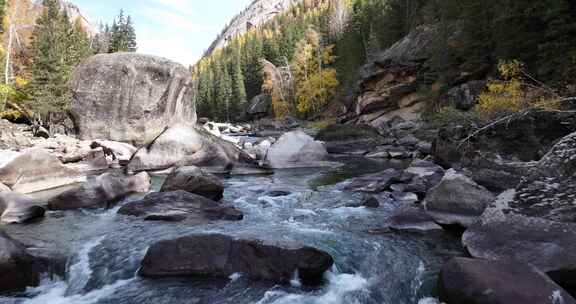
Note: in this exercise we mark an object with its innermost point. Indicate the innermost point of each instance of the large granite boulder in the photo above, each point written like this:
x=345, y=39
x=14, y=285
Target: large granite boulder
x=17, y=208
x=18, y=269
x=36, y=170
x=221, y=256
x=457, y=200
x=130, y=97
x=412, y=218
x=547, y=245
x=180, y=205
x=296, y=149
x=194, y=180
x=100, y=191
x=550, y=190
x=475, y=281
x=185, y=145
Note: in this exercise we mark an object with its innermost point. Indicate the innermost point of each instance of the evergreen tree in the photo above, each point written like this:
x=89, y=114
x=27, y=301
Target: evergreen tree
x=49, y=84
x=122, y=35
x=239, y=89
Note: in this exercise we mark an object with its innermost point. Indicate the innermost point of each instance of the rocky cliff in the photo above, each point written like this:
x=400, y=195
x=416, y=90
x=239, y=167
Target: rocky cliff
x=259, y=12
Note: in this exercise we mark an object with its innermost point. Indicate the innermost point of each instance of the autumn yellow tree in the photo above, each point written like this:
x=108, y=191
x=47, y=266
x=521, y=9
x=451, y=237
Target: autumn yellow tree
x=315, y=82
x=513, y=93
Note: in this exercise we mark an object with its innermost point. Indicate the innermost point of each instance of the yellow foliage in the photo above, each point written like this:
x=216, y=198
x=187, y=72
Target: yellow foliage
x=511, y=94
x=314, y=93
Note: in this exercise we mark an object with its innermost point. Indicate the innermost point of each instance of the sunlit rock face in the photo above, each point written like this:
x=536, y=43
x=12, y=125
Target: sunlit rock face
x=130, y=97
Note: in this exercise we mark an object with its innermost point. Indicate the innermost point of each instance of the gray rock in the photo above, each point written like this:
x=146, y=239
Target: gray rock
x=36, y=170
x=464, y=97
x=149, y=92
x=100, y=192
x=457, y=200
x=4, y=188
x=408, y=141
x=296, y=150
x=547, y=245
x=369, y=201
x=194, y=180
x=374, y=183
x=474, y=281
x=17, y=208
x=412, y=219
x=183, y=145
x=180, y=205
x=18, y=269
x=259, y=107
x=221, y=256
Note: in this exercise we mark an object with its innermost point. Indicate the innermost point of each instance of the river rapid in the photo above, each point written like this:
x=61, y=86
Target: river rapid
x=372, y=265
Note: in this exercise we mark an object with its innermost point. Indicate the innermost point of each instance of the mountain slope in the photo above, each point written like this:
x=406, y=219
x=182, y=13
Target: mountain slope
x=256, y=14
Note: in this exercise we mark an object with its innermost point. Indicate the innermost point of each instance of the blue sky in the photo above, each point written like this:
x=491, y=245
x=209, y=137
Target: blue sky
x=179, y=30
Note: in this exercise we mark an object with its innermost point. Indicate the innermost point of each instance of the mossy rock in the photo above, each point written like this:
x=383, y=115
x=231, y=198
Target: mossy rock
x=339, y=132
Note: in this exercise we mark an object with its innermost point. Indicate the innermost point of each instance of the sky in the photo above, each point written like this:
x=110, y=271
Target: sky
x=179, y=30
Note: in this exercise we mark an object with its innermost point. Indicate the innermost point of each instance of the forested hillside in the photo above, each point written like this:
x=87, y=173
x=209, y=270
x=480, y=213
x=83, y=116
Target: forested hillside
x=480, y=38
x=42, y=44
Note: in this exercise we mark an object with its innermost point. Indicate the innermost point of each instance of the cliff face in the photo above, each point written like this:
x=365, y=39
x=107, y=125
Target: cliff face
x=259, y=12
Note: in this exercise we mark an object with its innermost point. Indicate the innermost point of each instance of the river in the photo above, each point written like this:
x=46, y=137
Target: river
x=105, y=248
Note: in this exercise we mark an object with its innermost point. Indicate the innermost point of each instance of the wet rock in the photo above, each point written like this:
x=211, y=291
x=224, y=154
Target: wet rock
x=194, y=180
x=183, y=205
x=405, y=197
x=18, y=269
x=277, y=193
x=374, y=183
x=36, y=170
x=40, y=131
x=474, y=281
x=425, y=172
x=221, y=256
x=547, y=245
x=161, y=95
x=399, y=153
x=296, y=150
x=457, y=200
x=17, y=208
x=412, y=219
x=370, y=201
x=184, y=145
x=100, y=192
x=381, y=154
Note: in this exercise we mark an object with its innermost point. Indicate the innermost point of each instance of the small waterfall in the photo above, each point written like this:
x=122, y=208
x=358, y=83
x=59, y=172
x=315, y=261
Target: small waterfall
x=79, y=273
x=71, y=290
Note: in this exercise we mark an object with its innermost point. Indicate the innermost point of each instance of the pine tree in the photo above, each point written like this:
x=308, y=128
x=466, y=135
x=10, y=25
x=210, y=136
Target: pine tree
x=130, y=35
x=122, y=35
x=49, y=85
x=239, y=89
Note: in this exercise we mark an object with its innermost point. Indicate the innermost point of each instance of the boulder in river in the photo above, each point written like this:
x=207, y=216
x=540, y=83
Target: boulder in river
x=18, y=269
x=180, y=205
x=475, y=281
x=101, y=191
x=221, y=256
x=457, y=200
x=185, y=145
x=375, y=183
x=547, y=245
x=412, y=219
x=130, y=97
x=296, y=150
x=194, y=180
x=36, y=170
x=17, y=208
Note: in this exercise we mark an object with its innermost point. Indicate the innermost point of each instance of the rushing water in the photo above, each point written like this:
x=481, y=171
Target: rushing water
x=106, y=248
